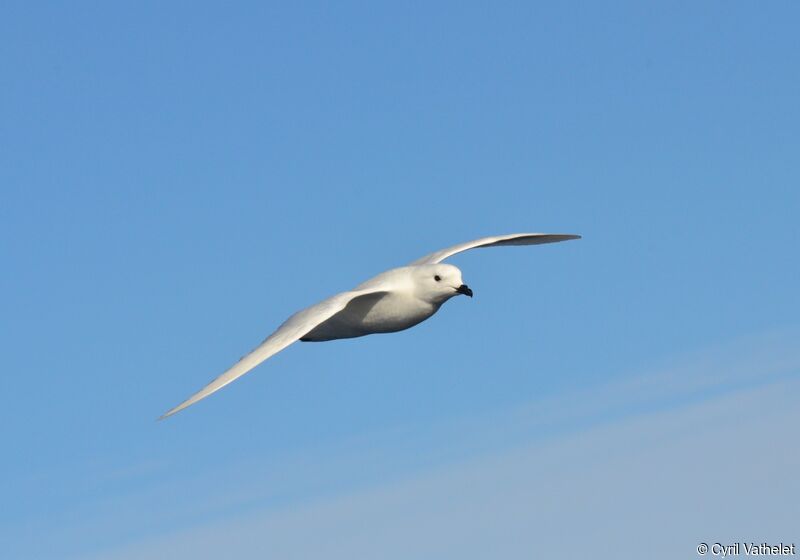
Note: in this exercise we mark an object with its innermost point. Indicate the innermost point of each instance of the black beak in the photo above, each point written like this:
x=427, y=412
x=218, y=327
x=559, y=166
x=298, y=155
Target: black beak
x=464, y=289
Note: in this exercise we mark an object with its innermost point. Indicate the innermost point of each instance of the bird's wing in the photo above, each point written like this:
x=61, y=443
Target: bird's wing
x=496, y=241
x=296, y=326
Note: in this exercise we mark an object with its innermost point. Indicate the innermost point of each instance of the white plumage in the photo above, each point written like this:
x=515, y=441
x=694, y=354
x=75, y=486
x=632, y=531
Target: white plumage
x=391, y=301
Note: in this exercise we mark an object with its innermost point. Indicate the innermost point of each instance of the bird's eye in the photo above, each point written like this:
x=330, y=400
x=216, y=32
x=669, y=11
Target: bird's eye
x=437, y=277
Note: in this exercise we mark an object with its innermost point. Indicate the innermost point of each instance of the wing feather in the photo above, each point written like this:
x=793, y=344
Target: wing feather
x=289, y=332
x=496, y=241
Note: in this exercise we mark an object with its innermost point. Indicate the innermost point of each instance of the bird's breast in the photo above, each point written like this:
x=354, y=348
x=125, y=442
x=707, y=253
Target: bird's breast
x=389, y=313
x=393, y=313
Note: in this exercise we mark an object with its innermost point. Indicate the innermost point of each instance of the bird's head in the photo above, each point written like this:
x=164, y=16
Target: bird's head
x=436, y=283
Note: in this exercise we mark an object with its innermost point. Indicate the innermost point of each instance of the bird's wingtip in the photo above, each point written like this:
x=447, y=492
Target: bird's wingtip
x=168, y=413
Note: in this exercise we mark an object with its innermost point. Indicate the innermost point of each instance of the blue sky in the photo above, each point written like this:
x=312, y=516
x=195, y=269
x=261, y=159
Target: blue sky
x=177, y=180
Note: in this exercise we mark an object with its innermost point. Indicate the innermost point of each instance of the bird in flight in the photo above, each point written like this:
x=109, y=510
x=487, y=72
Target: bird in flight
x=392, y=301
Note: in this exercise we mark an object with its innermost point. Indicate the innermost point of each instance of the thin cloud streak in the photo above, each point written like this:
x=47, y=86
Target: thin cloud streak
x=713, y=464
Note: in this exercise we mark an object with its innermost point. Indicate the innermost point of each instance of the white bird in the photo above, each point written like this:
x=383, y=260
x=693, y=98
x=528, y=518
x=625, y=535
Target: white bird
x=392, y=301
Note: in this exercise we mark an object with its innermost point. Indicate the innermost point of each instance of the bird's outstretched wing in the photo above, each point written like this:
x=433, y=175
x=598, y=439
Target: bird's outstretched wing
x=290, y=331
x=496, y=241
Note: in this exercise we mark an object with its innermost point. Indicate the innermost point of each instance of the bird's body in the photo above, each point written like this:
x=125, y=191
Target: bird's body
x=392, y=301
x=373, y=314
x=393, y=304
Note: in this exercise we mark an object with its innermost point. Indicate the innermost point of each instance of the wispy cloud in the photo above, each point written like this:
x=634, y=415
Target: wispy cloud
x=651, y=465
